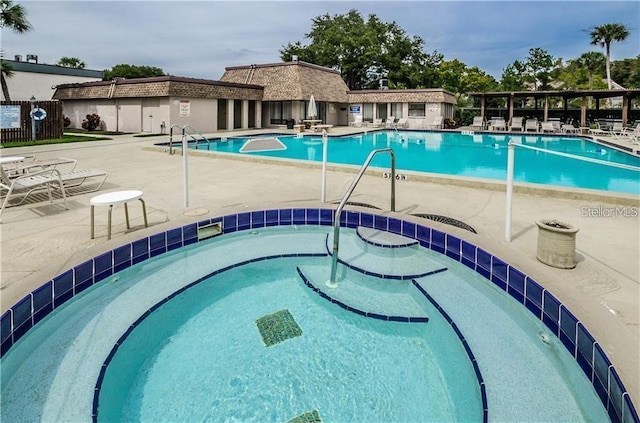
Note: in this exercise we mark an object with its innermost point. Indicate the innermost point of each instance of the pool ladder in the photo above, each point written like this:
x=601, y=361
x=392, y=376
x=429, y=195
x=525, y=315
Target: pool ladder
x=331, y=283
x=185, y=133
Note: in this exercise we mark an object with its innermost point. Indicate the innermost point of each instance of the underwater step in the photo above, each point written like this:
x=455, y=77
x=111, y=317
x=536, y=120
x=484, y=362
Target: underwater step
x=405, y=262
x=384, y=238
x=385, y=299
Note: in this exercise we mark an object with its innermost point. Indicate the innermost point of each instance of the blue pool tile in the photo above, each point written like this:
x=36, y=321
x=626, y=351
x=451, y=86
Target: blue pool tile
x=380, y=222
x=533, y=308
x=516, y=280
x=534, y=292
x=423, y=234
x=615, y=392
x=5, y=326
x=551, y=306
x=395, y=226
x=102, y=267
x=468, y=251
x=366, y=220
x=483, y=260
x=454, y=246
x=174, y=239
x=244, y=221
x=271, y=218
x=286, y=216
x=601, y=390
x=585, y=344
x=22, y=312
x=5, y=346
x=122, y=257
x=157, y=244
x=568, y=323
x=189, y=233
x=585, y=365
x=568, y=342
x=499, y=270
x=140, y=249
x=258, y=219
x=353, y=219
x=81, y=273
x=299, y=216
x=63, y=284
x=409, y=229
x=516, y=295
x=471, y=264
x=629, y=413
x=230, y=223
x=484, y=272
x=313, y=216
x=43, y=296
x=437, y=241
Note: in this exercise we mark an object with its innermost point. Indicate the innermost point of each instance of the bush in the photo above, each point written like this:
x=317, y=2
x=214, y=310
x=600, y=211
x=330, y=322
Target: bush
x=451, y=123
x=66, y=121
x=92, y=122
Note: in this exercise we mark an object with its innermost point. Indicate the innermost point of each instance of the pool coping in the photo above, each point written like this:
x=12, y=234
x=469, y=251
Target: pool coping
x=588, y=353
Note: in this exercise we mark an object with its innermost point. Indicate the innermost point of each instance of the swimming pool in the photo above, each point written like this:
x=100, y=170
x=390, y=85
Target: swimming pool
x=468, y=155
x=171, y=297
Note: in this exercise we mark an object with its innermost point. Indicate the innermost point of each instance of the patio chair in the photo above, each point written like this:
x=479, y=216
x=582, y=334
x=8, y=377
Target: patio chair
x=436, y=124
x=531, y=125
x=401, y=123
x=547, y=127
x=498, y=124
x=29, y=166
x=390, y=122
x=357, y=121
x=377, y=123
x=597, y=130
x=478, y=122
x=25, y=185
x=616, y=129
x=516, y=124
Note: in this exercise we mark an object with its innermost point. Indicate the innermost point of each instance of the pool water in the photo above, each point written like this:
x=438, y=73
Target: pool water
x=468, y=155
x=189, y=350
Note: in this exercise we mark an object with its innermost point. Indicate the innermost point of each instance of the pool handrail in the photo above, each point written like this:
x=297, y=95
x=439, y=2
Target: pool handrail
x=331, y=283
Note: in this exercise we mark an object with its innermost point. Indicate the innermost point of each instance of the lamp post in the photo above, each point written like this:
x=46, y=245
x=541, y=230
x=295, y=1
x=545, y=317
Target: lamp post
x=32, y=100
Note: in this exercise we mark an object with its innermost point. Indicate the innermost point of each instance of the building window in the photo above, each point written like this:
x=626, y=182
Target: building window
x=367, y=112
x=416, y=109
x=279, y=112
x=396, y=110
x=381, y=110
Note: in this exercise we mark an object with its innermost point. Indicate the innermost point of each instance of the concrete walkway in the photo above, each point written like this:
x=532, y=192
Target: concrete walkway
x=41, y=240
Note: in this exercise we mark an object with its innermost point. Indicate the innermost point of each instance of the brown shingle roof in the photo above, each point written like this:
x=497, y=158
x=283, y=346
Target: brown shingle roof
x=162, y=86
x=291, y=81
x=427, y=95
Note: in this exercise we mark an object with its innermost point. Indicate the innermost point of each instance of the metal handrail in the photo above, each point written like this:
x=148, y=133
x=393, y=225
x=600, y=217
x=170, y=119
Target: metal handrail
x=171, y=137
x=331, y=283
x=185, y=127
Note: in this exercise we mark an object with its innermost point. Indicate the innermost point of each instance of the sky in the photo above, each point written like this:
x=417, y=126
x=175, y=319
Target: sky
x=198, y=39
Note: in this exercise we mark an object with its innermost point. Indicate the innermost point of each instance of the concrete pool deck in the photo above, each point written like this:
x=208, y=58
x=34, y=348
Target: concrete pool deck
x=40, y=240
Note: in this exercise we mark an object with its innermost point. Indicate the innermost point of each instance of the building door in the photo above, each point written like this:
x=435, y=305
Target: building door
x=252, y=114
x=150, y=115
x=222, y=114
x=237, y=114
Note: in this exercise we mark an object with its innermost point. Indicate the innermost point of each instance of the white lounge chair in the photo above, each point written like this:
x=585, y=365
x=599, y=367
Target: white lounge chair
x=547, y=127
x=357, y=121
x=478, y=122
x=597, y=130
x=516, y=124
x=531, y=125
x=436, y=124
x=390, y=122
x=498, y=124
x=24, y=185
x=377, y=123
x=401, y=123
x=616, y=129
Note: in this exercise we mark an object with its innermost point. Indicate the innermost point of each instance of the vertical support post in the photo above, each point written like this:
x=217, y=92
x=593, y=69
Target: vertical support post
x=185, y=167
x=32, y=100
x=510, y=165
x=323, y=197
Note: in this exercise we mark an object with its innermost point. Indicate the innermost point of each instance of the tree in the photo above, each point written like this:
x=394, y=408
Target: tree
x=71, y=62
x=539, y=66
x=456, y=77
x=593, y=62
x=603, y=36
x=366, y=51
x=12, y=16
x=132, y=71
x=512, y=78
x=626, y=72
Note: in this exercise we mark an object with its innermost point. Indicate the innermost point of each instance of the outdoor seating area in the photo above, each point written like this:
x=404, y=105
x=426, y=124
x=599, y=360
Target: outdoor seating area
x=21, y=177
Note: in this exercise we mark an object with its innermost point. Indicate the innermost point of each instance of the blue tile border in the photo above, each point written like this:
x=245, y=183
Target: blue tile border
x=17, y=321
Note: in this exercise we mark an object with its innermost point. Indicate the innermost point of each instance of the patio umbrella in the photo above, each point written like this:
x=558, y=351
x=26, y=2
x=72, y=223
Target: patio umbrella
x=313, y=111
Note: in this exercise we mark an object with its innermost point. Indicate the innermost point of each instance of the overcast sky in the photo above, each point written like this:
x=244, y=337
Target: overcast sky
x=200, y=38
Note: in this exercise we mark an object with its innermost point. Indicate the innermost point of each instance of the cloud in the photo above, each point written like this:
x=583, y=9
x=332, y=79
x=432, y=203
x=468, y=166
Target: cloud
x=200, y=38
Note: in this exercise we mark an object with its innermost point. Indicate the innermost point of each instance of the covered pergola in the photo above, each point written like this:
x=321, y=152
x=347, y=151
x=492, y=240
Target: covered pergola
x=566, y=95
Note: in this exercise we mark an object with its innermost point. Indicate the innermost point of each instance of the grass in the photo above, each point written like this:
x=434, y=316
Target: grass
x=65, y=139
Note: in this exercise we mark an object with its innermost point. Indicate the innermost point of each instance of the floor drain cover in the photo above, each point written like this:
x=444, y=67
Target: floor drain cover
x=278, y=327
x=446, y=220
x=309, y=417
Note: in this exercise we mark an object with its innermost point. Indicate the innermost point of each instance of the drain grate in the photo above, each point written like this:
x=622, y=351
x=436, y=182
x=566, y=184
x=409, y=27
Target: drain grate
x=277, y=327
x=446, y=220
x=308, y=417
x=352, y=203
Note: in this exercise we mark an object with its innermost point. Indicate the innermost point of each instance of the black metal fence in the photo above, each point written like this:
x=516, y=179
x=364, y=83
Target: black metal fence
x=16, y=122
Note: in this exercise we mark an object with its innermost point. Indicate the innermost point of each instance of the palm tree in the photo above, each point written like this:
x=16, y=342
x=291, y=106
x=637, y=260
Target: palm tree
x=603, y=36
x=12, y=16
x=71, y=62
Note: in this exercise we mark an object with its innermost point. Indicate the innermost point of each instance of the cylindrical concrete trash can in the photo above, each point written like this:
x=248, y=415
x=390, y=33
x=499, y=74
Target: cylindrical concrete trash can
x=556, y=243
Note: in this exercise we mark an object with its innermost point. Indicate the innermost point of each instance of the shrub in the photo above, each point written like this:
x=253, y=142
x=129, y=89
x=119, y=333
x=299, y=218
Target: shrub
x=92, y=122
x=66, y=121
